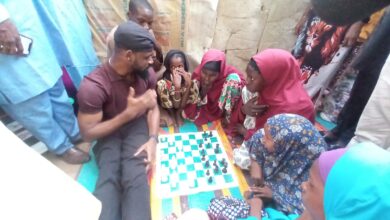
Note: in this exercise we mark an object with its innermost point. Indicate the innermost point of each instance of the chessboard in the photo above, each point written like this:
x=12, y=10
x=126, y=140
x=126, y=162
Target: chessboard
x=188, y=163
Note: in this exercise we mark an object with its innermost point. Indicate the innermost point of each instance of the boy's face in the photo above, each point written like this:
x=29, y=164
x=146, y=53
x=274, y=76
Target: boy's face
x=313, y=193
x=143, y=17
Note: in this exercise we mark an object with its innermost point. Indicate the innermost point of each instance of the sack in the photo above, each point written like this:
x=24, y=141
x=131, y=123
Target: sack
x=228, y=208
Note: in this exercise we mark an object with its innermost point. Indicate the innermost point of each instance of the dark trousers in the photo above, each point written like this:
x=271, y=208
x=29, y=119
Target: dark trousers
x=369, y=62
x=122, y=186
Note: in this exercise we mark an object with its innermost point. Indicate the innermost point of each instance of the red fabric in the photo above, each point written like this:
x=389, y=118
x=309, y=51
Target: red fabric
x=211, y=111
x=283, y=90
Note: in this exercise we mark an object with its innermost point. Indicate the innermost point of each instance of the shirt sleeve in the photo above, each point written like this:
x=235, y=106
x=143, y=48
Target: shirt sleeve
x=152, y=79
x=4, y=15
x=91, y=97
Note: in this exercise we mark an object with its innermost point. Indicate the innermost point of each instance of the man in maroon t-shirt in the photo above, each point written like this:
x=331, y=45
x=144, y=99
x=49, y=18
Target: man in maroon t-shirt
x=118, y=107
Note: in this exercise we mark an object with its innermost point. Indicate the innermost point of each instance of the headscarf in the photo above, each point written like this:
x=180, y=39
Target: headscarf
x=212, y=109
x=358, y=185
x=283, y=91
x=327, y=160
x=297, y=145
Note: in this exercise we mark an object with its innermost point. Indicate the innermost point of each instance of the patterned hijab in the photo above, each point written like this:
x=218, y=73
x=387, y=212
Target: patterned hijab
x=297, y=145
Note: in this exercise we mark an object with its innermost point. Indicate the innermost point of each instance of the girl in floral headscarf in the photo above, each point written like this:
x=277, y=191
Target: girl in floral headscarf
x=284, y=152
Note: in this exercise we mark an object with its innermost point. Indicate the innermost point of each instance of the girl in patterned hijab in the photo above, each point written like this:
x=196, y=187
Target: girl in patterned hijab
x=284, y=151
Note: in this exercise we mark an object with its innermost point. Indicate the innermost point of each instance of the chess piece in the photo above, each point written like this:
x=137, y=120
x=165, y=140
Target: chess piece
x=216, y=150
x=203, y=152
x=215, y=163
x=210, y=134
x=207, y=172
x=216, y=168
x=203, y=157
x=207, y=164
x=200, y=145
x=224, y=170
x=210, y=180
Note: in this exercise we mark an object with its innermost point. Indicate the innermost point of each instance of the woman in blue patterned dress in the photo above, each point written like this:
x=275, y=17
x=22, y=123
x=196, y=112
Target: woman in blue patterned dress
x=282, y=154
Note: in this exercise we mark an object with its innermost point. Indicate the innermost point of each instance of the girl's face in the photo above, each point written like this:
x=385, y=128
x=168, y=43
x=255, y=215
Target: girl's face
x=208, y=77
x=268, y=141
x=254, y=81
x=313, y=193
x=176, y=63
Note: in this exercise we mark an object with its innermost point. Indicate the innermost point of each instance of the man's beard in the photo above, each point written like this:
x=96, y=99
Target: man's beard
x=144, y=74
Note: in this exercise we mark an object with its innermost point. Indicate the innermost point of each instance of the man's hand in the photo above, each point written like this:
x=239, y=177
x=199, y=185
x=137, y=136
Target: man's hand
x=141, y=104
x=149, y=98
x=9, y=39
x=251, y=108
x=150, y=149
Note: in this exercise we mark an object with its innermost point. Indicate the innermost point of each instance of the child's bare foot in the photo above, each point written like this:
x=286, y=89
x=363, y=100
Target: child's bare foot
x=165, y=119
x=179, y=119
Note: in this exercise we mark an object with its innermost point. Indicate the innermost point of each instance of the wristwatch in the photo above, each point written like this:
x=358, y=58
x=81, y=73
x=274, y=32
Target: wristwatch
x=155, y=137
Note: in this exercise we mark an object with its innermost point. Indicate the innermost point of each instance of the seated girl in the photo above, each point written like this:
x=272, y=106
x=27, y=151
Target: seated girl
x=284, y=152
x=274, y=75
x=220, y=88
x=349, y=184
x=176, y=89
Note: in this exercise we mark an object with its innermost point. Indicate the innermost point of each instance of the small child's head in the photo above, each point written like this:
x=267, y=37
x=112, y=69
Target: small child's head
x=288, y=130
x=175, y=59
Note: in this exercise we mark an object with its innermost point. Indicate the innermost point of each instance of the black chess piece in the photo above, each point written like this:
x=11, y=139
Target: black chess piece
x=216, y=168
x=217, y=145
x=203, y=152
x=200, y=145
x=215, y=163
x=210, y=179
x=223, y=160
x=204, y=134
x=207, y=164
x=224, y=170
x=216, y=150
x=203, y=157
x=210, y=134
x=224, y=163
x=207, y=172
